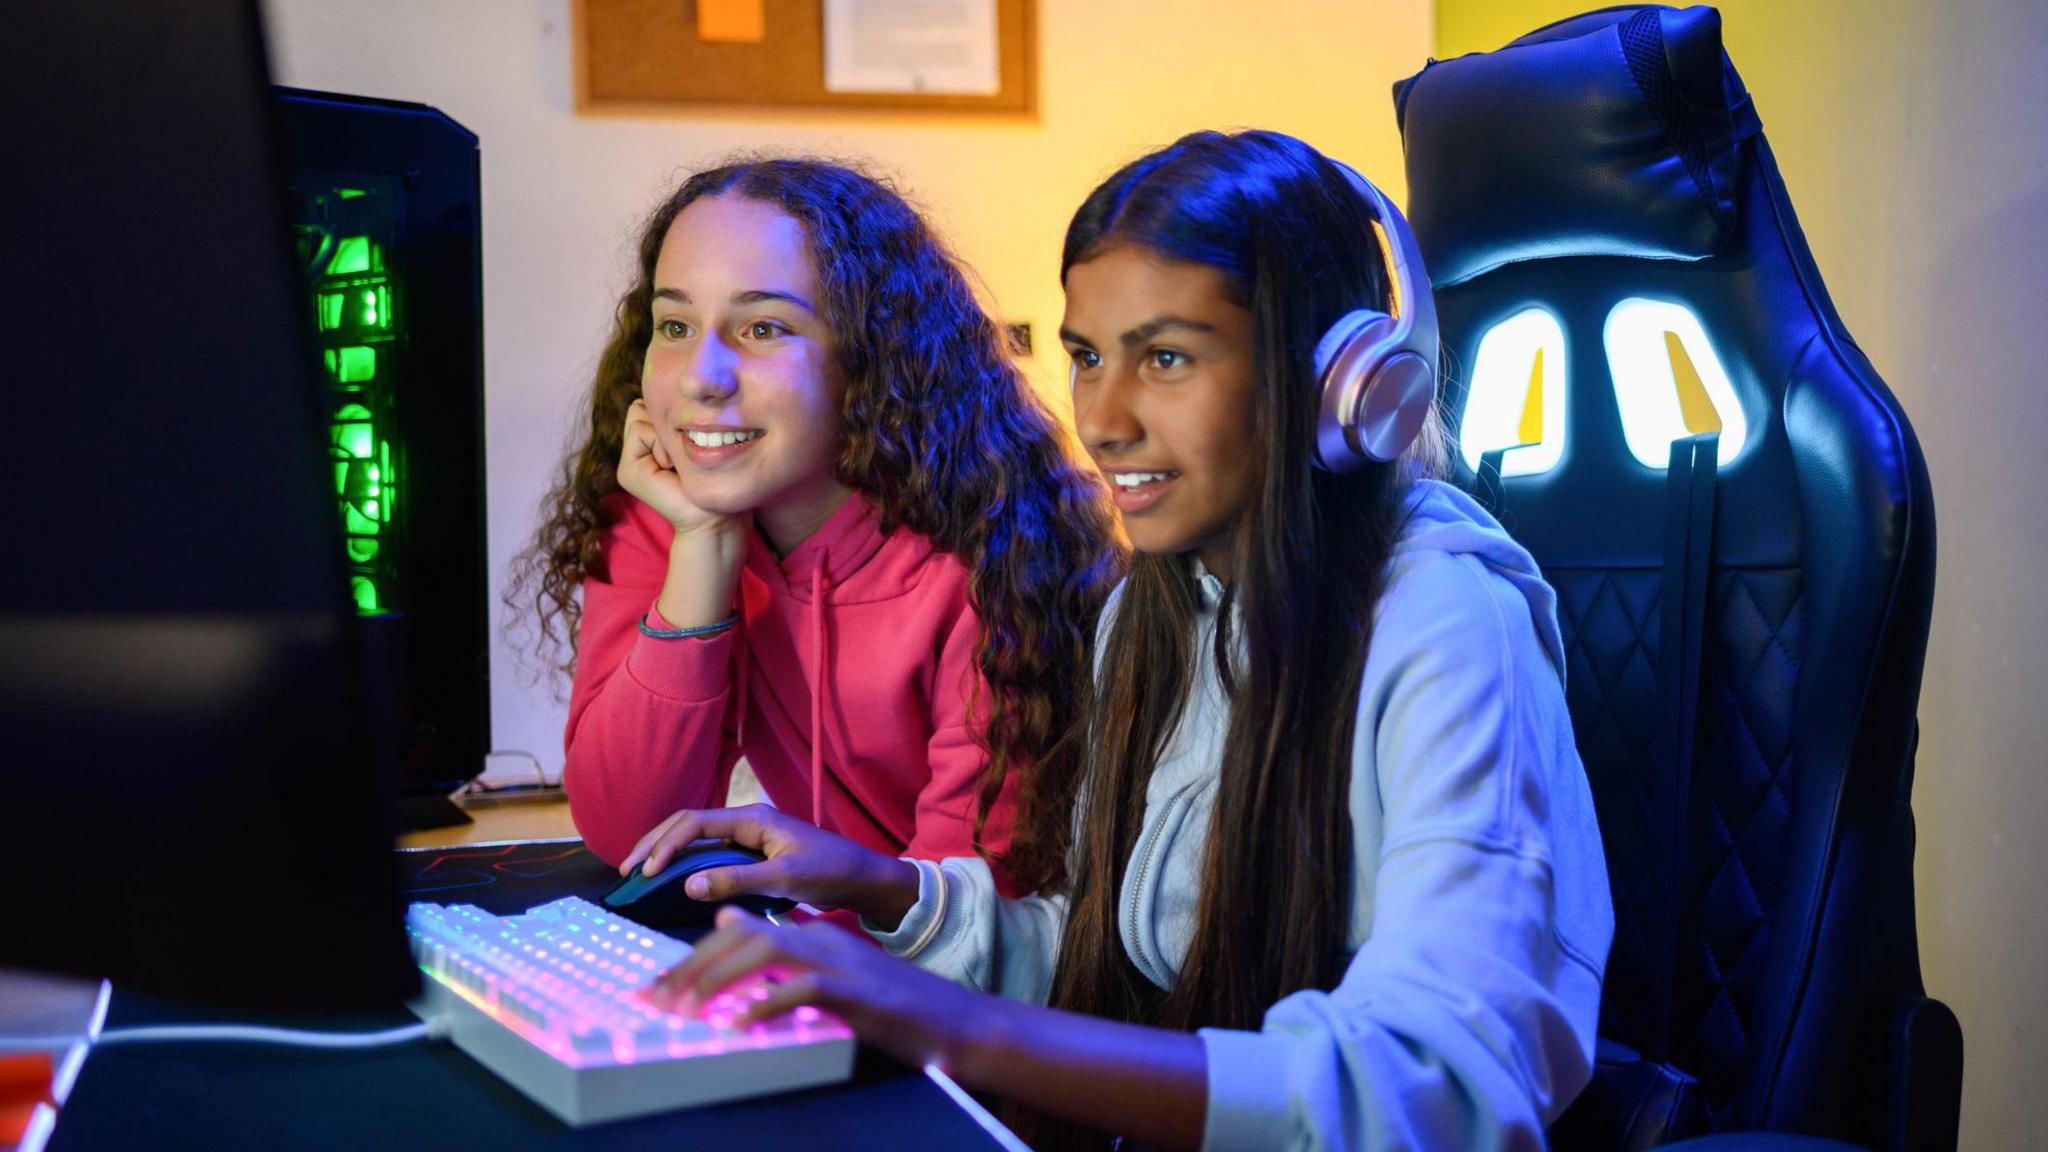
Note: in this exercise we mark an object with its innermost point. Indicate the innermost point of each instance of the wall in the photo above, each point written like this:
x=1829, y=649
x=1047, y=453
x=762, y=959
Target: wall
x=1907, y=134
x=563, y=193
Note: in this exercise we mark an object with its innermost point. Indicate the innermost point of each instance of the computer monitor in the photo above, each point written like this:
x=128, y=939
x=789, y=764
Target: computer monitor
x=190, y=804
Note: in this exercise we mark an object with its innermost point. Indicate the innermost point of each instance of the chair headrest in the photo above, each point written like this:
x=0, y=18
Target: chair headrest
x=1616, y=133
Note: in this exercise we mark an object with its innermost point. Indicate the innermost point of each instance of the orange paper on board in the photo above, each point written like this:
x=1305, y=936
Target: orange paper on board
x=732, y=21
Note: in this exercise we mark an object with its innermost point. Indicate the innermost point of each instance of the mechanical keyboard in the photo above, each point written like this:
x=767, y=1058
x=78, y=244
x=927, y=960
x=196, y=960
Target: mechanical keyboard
x=550, y=1001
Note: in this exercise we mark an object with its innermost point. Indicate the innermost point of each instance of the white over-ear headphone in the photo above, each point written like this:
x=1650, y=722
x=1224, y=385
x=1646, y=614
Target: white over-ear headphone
x=1377, y=370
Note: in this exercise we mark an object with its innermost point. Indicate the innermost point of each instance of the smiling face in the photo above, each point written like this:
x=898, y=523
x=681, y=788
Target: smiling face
x=1163, y=396
x=739, y=374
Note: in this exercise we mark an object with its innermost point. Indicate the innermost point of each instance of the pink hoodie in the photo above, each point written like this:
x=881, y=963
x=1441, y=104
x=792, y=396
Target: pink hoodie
x=869, y=639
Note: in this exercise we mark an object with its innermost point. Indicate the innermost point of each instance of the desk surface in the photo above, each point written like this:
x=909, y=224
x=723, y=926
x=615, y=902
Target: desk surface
x=546, y=819
x=227, y=1097
x=233, y=1096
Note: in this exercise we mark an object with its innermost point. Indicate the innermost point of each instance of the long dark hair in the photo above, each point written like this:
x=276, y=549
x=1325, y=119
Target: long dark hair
x=1294, y=242
x=941, y=433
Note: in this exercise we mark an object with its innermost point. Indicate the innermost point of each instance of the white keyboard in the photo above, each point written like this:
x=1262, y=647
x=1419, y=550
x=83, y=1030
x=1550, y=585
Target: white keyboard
x=550, y=1002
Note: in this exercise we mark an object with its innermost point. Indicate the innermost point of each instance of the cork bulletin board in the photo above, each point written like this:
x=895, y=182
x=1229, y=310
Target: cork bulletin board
x=642, y=55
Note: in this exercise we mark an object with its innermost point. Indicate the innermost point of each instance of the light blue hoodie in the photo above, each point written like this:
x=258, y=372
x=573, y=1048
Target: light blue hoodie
x=1480, y=912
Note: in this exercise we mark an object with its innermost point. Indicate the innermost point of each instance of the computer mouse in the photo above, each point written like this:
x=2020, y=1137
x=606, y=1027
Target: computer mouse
x=659, y=901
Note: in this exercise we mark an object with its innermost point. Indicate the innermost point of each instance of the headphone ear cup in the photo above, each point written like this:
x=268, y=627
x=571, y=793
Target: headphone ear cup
x=1394, y=406
x=1348, y=360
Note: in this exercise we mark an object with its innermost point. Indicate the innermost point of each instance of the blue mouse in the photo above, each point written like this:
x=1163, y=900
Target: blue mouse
x=659, y=902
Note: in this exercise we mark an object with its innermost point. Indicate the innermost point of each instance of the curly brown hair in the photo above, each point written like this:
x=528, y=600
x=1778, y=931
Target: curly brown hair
x=941, y=433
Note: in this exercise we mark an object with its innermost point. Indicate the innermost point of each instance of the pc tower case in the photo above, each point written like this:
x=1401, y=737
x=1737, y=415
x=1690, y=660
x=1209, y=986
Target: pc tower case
x=384, y=203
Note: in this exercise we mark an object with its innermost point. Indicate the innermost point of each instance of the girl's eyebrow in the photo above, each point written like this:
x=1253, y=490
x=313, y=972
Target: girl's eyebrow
x=1143, y=332
x=754, y=296
x=764, y=295
x=1158, y=324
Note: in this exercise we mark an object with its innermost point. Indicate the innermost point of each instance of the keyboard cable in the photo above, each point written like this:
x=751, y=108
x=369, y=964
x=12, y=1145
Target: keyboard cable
x=220, y=1034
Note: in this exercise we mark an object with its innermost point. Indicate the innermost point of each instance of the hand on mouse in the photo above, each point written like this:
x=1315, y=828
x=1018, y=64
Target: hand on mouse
x=804, y=862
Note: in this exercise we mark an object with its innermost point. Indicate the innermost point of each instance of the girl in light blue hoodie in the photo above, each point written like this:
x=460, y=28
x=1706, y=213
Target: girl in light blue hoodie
x=1323, y=870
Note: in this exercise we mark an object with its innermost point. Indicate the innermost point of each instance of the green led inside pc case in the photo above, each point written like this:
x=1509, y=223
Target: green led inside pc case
x=344, y=230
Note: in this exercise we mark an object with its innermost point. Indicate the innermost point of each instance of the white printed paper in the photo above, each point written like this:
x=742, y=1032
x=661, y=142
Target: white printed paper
x=937, y=47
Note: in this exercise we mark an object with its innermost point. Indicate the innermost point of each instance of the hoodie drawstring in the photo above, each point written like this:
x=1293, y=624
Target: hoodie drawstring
x=818, y=693
x=745, y=667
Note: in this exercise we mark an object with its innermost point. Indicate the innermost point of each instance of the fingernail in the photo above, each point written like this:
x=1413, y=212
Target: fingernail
x=698, y=887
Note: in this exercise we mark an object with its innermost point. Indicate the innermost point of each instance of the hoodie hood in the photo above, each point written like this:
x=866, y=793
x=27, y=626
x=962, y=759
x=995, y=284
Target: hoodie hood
x=1441, y=518
x=1437, y=517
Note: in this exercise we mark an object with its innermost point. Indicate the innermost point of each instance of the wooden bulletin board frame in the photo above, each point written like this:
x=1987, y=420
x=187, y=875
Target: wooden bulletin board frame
x=641, y=55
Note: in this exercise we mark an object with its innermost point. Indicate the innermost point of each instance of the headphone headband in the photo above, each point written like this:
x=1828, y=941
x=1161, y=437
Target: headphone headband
x=1413, y=305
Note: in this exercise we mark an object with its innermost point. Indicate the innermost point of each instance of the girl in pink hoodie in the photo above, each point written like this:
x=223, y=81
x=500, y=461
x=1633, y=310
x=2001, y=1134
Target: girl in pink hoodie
x=818, y=520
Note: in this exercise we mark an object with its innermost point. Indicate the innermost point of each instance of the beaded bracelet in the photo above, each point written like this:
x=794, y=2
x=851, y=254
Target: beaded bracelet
x=699, y=632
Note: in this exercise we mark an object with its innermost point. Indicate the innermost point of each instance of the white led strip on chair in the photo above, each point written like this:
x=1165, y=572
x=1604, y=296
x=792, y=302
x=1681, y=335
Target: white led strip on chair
x=1646, y=385
x=1501, y=371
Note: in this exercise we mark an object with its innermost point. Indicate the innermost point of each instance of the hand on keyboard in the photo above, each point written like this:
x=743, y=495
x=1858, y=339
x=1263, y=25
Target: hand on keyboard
x=552, y=1001
x=916, y=1016
x=569, y=976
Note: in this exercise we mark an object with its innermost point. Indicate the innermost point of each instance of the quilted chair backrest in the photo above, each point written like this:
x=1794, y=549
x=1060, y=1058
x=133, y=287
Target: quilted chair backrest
x=1618, y=267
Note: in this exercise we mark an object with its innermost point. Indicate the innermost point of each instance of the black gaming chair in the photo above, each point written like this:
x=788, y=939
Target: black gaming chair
x=1651, y=385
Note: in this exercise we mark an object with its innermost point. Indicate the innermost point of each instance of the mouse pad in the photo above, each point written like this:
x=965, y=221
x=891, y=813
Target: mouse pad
x=505, y=879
